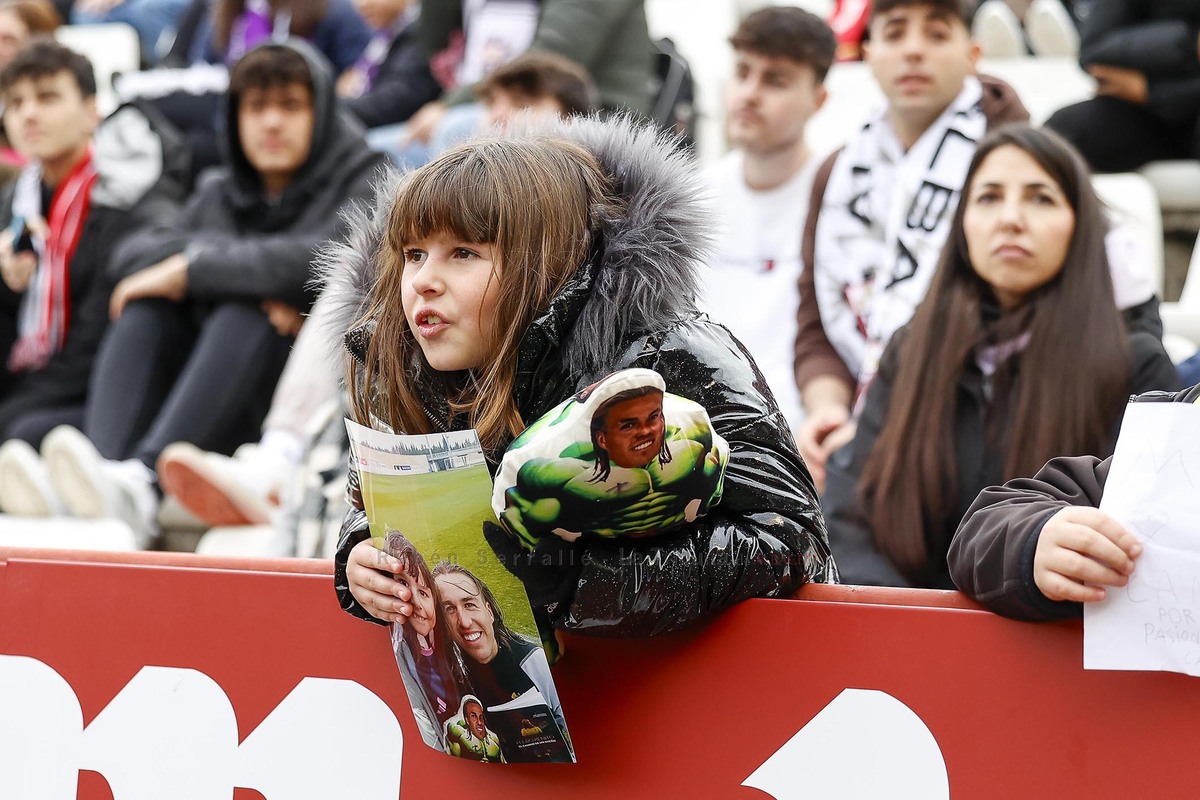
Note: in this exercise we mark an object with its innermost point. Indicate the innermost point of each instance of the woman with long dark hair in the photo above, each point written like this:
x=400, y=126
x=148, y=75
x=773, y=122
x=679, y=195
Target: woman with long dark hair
x=1018, y=354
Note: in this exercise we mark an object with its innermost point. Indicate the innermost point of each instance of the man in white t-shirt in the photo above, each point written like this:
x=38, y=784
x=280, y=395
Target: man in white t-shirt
x=761, y=189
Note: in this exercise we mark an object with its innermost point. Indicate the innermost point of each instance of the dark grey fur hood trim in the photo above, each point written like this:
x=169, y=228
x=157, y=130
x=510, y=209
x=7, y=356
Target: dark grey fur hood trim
x=348, y=267
x=646, y=278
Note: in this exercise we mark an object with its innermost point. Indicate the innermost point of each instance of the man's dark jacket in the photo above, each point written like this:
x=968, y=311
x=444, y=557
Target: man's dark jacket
x=1155, y=37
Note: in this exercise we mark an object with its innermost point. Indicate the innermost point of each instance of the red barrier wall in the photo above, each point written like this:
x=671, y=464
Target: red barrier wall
x=1010, y=707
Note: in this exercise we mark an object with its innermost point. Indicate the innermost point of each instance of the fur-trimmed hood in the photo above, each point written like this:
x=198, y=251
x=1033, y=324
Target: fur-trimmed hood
x=643, y=279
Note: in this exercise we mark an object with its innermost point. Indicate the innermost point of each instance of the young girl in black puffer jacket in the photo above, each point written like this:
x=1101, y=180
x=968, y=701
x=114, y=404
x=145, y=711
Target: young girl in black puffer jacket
x=508, y=275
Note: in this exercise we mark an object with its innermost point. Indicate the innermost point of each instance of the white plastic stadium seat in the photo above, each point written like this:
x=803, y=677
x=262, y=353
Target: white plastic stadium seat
x=1181, y=320
x=1178, y=185
x=1133, y=205
x=1051, y=29
x=112, y=47
x=998, y=31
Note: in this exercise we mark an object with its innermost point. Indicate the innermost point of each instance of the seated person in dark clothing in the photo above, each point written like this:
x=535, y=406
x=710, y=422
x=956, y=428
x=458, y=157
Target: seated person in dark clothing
x=247, y=487
x=1143, y=55
x=223, y=31
x=391, y=79
x=70, y=207
x=194, y=350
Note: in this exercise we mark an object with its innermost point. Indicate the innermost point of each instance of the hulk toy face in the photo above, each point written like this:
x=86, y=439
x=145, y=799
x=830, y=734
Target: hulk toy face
x=633, y=430
x=471, y=619
x=473, y=714
x=621, y=457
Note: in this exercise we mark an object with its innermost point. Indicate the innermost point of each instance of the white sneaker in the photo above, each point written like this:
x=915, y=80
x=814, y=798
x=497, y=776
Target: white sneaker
x=242, y=490
x=25, y=487
x=1051, y=30
x=93, y=487
x=998, y=30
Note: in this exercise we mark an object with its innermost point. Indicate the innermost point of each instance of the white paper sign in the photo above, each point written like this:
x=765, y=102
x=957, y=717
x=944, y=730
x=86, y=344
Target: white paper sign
x=1153, y=489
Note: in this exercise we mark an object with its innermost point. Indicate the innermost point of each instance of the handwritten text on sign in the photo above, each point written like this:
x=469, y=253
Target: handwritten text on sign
x=1153, y=489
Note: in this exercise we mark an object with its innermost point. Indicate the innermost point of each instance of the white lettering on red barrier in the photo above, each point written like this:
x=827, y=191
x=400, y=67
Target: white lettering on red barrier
x=172, y=732
x=865, y=743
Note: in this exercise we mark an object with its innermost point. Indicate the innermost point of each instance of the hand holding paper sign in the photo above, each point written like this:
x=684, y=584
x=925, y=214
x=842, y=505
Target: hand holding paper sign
x=1080, y=551
x=1153, y=622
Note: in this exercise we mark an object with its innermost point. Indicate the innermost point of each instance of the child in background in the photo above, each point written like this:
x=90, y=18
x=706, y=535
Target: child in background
x=541, y=84
x=536, y=83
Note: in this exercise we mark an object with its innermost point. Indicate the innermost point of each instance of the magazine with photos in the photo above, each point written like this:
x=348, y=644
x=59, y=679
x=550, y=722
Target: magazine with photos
x=470, y=654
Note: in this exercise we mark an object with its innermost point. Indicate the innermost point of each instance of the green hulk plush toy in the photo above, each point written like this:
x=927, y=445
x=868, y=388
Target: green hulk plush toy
x=621, y=458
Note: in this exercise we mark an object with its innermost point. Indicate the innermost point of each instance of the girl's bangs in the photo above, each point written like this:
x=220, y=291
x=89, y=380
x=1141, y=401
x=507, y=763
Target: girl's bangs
x=456, y=194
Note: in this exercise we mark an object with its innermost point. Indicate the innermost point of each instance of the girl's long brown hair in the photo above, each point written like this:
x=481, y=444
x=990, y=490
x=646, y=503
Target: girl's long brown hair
x=1074, y=372
x=539, y=202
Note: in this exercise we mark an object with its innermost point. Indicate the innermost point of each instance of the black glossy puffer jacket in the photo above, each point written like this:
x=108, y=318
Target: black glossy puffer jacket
x=632, y=305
